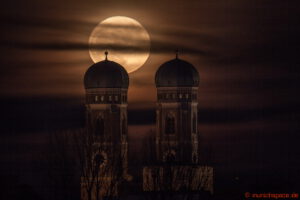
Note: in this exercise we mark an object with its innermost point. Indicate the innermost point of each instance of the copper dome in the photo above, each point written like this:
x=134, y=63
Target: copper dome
x=177, y=73
x=106, y=74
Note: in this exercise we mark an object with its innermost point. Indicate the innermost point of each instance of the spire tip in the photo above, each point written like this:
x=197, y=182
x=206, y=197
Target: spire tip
x=176, y=53
x=106, y=53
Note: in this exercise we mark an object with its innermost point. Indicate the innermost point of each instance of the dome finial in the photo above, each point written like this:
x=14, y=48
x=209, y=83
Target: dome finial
x=106, y=53
x=176, y=53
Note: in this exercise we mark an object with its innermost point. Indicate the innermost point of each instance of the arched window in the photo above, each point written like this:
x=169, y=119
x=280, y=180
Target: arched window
x=194, y=123
x=170, y=124
x=170, y=156
x=195, y=159
x=99, y=130
x=124, y=127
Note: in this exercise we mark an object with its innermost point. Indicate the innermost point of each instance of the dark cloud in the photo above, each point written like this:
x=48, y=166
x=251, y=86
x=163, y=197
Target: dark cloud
x=278, y=50
x=46, y=114
x=266, y=47
x=287, y=113
x=30, y=23
x=235, y=116
x=246, y=53
x=61, y=112
x=157, y=46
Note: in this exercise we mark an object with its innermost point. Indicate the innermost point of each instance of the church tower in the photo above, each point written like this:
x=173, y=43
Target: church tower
x=176, y=113
x=106, y=84
x=178, y=168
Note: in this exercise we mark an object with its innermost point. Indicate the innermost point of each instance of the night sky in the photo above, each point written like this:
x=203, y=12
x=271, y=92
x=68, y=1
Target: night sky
x=246, y=53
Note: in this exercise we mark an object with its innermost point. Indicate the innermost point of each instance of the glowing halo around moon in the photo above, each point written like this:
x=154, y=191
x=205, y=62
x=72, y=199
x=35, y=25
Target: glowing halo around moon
x=125, y=39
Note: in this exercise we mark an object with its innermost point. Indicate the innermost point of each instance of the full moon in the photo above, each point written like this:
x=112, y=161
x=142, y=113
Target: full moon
x=125, y=39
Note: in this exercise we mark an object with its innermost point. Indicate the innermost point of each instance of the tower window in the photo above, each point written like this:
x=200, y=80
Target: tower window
x=170, y=158
x=110, y=98
x=99, y=128
x=170, y=125
x=124, y=127
x=194, y=123
x=116, y=98
x=102, y=98
x=195, y=158
x=180, y=96
x=96, y=98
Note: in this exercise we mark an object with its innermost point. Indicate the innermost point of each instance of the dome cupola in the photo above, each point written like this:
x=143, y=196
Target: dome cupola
x=177, y=73
x=106, y=74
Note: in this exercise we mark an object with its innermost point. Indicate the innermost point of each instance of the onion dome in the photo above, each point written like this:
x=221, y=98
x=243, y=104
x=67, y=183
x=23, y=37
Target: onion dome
x=177, y=73
x=106, y=74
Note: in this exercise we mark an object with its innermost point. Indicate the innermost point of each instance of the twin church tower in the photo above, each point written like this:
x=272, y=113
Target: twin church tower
x=106, y=84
